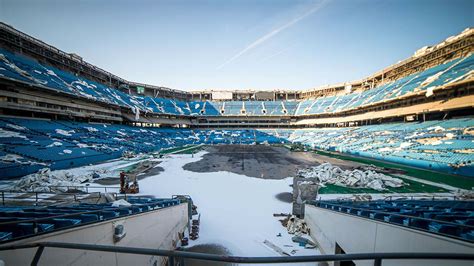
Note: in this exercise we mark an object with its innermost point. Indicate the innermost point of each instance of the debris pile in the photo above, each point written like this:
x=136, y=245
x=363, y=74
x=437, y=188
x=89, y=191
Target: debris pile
x=195, y=228
x=296, y=225
x=303, y=242
x=464, y=194
x=326, y=173
x=46, y=181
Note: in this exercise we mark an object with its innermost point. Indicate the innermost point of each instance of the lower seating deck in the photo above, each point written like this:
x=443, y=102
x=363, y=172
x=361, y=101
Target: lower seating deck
x=21, y=222
x=449, y=218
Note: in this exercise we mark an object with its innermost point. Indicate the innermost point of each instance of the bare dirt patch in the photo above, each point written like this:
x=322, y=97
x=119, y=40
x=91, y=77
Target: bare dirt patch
x=108, y=181
x=261, y=161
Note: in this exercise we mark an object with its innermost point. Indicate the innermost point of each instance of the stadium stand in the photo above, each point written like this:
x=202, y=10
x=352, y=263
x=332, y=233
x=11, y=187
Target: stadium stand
x=445, y=146
x=27, y=70
x=446, y=217
x=438, y=143
x=29, y=144
x=21, y=222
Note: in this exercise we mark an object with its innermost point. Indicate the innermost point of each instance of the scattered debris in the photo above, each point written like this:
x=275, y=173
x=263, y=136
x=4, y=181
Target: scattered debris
x=326, y=173
x=296, y=225
x=302, y=241
x=195, y=228
x=465, y=194
x=275, y=248
x=45, y=181
x=128, y=154
x=184, y=241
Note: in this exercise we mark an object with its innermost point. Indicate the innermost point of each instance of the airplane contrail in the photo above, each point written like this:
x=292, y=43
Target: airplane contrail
x=277, y=53
x=274, y=32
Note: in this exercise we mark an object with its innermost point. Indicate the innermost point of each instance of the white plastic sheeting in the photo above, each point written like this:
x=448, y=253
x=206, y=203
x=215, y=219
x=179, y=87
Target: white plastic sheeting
x=326, y=173
x=45, y=180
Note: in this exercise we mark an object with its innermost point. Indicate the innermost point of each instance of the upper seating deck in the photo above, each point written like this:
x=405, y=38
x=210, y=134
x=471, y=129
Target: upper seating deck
x=20, y=68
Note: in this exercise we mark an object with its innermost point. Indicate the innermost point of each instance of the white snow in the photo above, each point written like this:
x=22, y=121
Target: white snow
x=236, y=210
x=92, y=129
x=10, y=134
x=405, y=145
x=16, y=127
x=54, y=144
x=121, y=133
x=17, y=159
x=64, y=132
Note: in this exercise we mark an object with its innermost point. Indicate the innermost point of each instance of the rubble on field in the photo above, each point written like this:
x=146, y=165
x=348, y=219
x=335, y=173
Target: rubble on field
x=303, y=241
x=356, y=197
x=465, y=194
x=326, y=173
x=296, y=225
x=46, y=181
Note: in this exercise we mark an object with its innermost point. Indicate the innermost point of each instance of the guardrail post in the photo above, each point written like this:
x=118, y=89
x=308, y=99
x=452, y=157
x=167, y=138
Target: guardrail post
x=37, y=256
x=170, y=261
x=36, y=196
x=3, y=198
x=378, y=262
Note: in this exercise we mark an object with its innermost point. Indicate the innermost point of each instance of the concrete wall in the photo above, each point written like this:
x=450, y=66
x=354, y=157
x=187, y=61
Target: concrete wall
x=156, y=229
x=361, y=235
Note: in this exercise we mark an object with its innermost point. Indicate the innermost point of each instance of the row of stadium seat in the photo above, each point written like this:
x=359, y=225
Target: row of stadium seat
x=446, y=146
x=19, y=222
x=27, y=70
x=447, y=217
x=28, y=145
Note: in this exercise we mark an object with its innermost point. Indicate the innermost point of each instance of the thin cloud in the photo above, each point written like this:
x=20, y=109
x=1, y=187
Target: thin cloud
x=274, y=32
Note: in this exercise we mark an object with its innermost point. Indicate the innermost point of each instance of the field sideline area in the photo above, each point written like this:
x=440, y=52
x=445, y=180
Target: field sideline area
x=413, y=177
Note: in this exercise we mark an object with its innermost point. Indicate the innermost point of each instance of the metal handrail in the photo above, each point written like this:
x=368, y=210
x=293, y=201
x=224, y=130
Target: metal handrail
x=4, y=197
x=173, y=254
x=86, y=188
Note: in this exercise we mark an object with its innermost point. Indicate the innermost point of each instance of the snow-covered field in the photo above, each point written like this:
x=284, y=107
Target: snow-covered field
x=236, y=210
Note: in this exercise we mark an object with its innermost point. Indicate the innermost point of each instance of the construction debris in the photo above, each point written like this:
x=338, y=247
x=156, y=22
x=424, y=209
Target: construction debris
x=195, y=228
x=46, y=181
x=276, y=248
x=464, y=194
x=280, y=214
x=326, y=173
x=296, y=225
x=302, y=241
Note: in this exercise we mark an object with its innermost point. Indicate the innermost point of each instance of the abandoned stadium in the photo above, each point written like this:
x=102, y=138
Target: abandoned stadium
x=102, y=170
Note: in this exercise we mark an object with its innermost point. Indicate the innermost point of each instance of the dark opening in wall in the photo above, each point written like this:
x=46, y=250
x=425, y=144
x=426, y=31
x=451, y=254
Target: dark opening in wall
x=339, y=250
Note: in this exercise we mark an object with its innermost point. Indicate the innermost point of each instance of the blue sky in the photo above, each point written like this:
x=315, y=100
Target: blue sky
x=240, y=44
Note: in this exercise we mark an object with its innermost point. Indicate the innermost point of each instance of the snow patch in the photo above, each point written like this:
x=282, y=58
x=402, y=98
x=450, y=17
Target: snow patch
x=55, y=144
x=64, y=132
